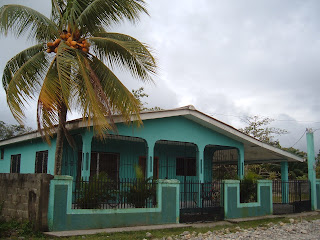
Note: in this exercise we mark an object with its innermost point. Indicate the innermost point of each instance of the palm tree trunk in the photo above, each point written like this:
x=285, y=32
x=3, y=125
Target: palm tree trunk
x=60, y=139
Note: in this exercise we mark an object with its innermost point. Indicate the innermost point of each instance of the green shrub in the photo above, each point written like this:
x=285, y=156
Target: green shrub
x=248, y=187
x=140, y=191
x=98, y=191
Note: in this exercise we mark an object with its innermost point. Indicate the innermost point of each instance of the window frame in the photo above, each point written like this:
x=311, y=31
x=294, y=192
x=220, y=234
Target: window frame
x=44, y=161
x=15, y=163
x=95, y=156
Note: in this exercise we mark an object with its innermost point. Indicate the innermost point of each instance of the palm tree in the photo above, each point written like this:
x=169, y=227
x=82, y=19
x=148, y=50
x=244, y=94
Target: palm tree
x=70, y=67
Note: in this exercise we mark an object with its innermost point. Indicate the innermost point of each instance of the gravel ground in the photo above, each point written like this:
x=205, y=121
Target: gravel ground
x=295, y=230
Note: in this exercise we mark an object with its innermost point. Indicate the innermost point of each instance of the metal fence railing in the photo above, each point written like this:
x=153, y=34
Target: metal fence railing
x=103, y=193
x=194, y=194
x=290, y=191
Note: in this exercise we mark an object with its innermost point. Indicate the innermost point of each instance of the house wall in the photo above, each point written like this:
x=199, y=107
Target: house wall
x=28, y=151
x=167, y=155
x=171, y=128
x=183, y=130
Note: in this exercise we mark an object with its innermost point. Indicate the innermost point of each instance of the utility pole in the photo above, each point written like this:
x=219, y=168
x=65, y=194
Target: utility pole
x=311, y=168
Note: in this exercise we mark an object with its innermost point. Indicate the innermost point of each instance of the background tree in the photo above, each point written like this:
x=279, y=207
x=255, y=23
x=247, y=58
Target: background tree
x=9, y=130
x=139, y=94
x=260, y=129
x=66, y=68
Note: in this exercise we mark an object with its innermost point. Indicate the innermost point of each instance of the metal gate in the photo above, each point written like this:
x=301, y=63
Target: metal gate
x=291, y=196
x=201, y=201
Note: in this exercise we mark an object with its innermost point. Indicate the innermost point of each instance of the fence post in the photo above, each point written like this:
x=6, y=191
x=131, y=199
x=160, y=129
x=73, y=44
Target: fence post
x=311, y=168
x=284, y=182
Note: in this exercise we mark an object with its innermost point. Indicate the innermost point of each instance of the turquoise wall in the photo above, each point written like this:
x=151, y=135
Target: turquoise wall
x=28, y=151
x=171, y=128
x=234, y=209
x=62, y=217
x=168, y=154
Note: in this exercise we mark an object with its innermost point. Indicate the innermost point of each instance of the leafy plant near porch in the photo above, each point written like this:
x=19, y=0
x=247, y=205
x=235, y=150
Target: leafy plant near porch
x=99, y=191
x=248, y=187
x=142, y=190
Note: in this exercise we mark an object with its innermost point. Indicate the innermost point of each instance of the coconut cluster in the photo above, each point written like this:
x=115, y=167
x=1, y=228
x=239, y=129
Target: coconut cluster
x=70, y=40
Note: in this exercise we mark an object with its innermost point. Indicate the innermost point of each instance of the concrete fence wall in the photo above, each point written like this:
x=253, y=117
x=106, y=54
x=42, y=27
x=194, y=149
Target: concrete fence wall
x=62, y=217
x=318, y=193
x=25, y=197
x=234, y=209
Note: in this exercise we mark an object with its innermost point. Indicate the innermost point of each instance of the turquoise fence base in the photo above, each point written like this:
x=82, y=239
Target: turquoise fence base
x=62, y=217
x=318, y=193
x=234, y=209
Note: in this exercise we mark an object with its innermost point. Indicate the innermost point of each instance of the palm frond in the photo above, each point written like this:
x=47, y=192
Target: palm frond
x=25, y=82
x=121, y=100
x=104, y=12
x=48, y=102
x=14, y=64
x=19, y=19
x=67, y=67
x=125, y=52
x=92, y=98
x=57, y=10
x=73, y=11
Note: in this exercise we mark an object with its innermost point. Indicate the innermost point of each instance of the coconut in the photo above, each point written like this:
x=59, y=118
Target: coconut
x=56, y=50
x=49, y=44
x=69, y=39
x=57, y=41
x=73, y=43
x=49, y=50
x=85, y=49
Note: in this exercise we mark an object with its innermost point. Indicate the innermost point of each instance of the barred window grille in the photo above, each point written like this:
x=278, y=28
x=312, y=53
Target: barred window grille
x=15, y=163
x=41, y=164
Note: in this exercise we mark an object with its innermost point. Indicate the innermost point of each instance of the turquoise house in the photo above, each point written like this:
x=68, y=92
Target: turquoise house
x=182, y=143
x=180, y=147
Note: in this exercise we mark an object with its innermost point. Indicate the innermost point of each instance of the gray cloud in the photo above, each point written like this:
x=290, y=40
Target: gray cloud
x=229, y=58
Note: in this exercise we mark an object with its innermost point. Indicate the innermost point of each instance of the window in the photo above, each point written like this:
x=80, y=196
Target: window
x=186, y=167
x=105, y=162
x=41, y=162
x=15, y=163
x=2, y=153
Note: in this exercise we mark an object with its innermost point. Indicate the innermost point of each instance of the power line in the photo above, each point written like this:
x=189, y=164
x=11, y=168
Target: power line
x=299, y=138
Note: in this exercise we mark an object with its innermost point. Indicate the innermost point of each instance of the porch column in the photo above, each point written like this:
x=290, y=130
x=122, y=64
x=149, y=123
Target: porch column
x=149, y=158
x=241, y=163
x=285, y=183
x=200, y=158
x=311, y=168
x=86, y=154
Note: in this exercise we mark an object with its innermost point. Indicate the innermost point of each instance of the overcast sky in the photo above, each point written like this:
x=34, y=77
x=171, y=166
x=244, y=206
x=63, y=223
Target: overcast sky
x=228, y=58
